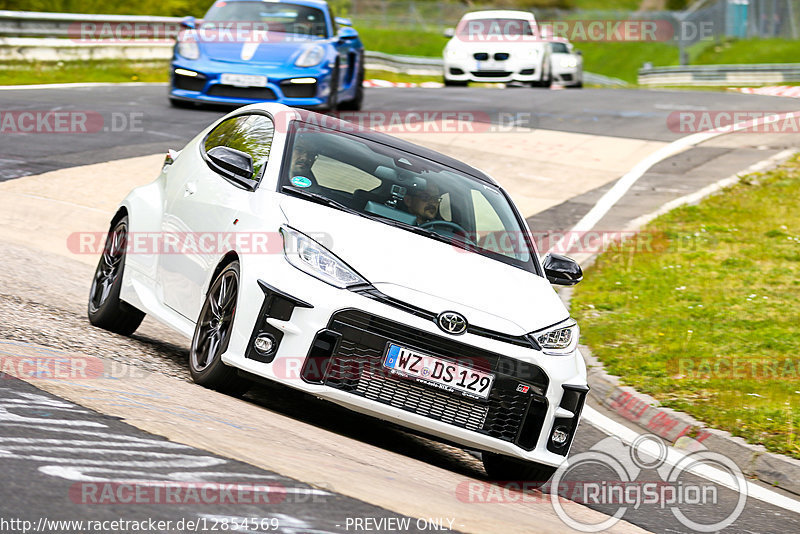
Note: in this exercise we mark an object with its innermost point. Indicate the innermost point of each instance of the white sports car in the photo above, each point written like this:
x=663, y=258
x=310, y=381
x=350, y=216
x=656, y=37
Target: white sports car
x=497, y=46
x=357, y=267
x=567, y=63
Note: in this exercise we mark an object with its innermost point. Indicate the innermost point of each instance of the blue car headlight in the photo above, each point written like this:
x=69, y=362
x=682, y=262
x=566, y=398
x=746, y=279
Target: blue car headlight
x=188, y=48
x=311, y=56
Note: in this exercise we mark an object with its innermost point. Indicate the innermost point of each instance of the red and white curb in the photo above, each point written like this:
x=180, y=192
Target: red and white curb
x=776, y=90
x=384, y=83
x=427, y=85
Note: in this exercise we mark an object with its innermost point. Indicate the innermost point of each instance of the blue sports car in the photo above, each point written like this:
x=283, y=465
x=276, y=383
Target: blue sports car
x=290, y=51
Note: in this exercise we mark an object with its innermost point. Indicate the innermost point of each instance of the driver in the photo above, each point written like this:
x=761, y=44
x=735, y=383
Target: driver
x=303, y=158
x=424, y=203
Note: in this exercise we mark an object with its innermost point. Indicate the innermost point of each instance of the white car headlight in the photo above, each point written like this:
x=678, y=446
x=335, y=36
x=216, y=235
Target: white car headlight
x=560, y=339
x=188, y=48
x=314, y=259
x=311, y=56
x=569, y=62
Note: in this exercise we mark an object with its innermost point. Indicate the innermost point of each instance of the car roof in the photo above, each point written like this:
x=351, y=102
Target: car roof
x=498, y=14
x=311, y=3
x=336, y=124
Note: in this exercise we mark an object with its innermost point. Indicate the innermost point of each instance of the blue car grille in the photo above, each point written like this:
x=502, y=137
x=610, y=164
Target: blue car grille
x=247, y=93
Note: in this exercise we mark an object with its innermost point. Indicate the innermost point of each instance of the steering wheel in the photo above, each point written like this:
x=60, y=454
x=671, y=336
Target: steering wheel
x=453, y=227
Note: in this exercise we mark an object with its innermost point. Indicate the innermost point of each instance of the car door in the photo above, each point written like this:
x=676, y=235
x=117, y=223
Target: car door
x=198, y=225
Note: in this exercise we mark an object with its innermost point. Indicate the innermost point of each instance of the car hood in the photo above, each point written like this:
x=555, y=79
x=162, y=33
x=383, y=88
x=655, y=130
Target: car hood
x=436, y=276
x=275, y=51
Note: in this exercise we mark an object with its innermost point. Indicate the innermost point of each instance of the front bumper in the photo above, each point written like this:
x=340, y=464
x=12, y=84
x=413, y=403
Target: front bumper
x=567, y=75
x=332, y=346
x=206, y=87
x=502, y=72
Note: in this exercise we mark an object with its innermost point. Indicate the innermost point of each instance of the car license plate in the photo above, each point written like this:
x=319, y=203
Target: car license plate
x=244, y=80
x=488, y=65
x=444, y=374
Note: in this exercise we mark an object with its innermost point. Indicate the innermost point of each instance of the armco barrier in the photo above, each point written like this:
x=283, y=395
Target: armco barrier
x=756, y=74
x=35, y=36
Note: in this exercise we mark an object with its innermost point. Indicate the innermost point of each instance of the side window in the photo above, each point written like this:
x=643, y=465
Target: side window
x=251, y=134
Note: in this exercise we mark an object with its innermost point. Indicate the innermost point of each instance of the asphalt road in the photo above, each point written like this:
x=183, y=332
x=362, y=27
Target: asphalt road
x=138, y=121
x=30, y=492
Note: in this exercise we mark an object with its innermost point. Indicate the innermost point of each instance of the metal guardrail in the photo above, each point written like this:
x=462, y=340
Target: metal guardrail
x=36, y=24
x=756, y=74
x=34, y=36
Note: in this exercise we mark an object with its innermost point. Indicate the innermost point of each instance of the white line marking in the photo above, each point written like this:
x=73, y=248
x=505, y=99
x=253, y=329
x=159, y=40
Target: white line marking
x=628, y=435
x=697, y=196
x=613, y=195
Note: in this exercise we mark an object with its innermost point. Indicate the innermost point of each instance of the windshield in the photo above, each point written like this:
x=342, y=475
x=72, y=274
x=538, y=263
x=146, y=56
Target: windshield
x=404, y=190
x=278, y=17
x=559, y=48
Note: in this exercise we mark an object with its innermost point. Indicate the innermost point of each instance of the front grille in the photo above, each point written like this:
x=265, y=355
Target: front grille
x=356, y=367
x=481, y=56
x=189, y=83
x=298, y=90
x=566, y=77
x=248, y=93
x=491, y=73
x=501, y=56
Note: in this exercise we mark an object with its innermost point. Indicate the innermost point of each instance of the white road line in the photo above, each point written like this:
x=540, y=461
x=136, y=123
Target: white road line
x=600, y=209
x=613, y=195
x=697, y=196
x=674, y=456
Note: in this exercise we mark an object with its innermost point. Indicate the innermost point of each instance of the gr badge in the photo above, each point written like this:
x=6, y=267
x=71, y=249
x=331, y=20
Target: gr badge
x=522, y=388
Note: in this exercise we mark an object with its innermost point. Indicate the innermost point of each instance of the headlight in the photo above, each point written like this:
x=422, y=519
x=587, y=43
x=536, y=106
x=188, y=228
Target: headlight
x=569, y=62
x=559, y=339
x=312, y=56
x=451, y=52
x=314, y=259
x=188, y=48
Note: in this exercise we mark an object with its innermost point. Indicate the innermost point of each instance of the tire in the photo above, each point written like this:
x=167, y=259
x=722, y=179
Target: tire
x=183, y=104
x=333, y=97
x=105, y=309
x=356, y=103
x=505, y=468
x=214, y=325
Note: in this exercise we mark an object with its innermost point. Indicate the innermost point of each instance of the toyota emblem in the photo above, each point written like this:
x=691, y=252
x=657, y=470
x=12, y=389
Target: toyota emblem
x=452, y=323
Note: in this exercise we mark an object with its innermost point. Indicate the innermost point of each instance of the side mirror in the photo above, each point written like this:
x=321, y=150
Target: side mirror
x=578, y=52
x=561, y=270
x=449, y=33
x=346, y=33
x=189, y=22
x=341, y=21
x=229, y=161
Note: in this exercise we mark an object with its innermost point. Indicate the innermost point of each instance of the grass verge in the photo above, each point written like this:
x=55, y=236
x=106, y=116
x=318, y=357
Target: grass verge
x=83, y=71
x=701, y=313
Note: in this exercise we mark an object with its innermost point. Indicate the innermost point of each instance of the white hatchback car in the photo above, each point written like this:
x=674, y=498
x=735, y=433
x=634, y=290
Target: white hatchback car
x=497, y=46
x=567, y=63
x=357, y=267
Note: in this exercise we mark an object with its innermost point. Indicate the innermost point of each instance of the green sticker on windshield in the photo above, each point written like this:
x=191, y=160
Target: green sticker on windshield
x=300, y=181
